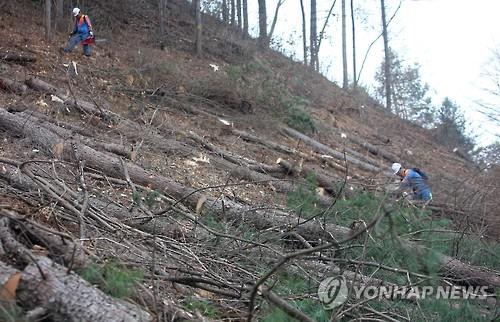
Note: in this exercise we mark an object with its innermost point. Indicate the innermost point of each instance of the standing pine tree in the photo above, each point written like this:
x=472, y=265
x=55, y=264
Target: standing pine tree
x=450, y=129
x=409, y=95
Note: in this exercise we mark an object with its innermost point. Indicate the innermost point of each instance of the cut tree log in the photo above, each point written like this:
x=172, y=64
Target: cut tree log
x=320, y=147
x=375, y=150
x=68, y=297
x=17, y=58
x=324, y=181
x=12, y=86
x=269, y=144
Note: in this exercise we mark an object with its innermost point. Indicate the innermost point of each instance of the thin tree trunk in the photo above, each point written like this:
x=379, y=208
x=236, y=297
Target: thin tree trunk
x=162, y=4
x=48, y=14
x=198, y=27
x=245, y=17
x=354, y=71
x=387, y=65
x=275, y=19
x=304, y=31
x=344, y=47
x=238, y=13
x=233, y=13
x=59, y=14
x=313, y=37
x=263, y=40
x=322, y=33
x=225, y=11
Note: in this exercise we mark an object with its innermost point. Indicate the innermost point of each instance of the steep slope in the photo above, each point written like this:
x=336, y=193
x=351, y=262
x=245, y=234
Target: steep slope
x=158, y=160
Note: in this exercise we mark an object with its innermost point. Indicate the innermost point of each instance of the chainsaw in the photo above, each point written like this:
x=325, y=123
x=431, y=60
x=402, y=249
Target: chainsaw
x=91, y=40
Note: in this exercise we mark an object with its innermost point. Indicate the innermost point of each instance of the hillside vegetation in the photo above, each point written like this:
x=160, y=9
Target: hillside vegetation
x=149, y=184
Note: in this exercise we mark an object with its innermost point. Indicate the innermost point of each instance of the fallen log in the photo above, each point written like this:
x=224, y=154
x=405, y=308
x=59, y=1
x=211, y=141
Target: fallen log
x=11, y=86
x=269, y=144
x=17, y=58
x=375, y=150
x=320, y=147
x=324, y=181
x=244, y=169
x=68, y=297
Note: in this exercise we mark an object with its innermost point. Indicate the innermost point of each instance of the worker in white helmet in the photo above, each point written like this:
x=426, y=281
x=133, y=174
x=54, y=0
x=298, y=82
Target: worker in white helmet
x=414, y=179
x=82, y=32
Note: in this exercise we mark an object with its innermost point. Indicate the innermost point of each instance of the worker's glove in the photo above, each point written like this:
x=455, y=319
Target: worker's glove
x=91, y=34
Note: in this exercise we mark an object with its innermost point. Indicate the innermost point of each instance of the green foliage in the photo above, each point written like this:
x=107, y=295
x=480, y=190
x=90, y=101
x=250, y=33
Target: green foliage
x=410, y=97
x=304, y=199
x=297, y=115
x=291, y=286
x=451, y=127
x=151, y=197
x=205, y=307
x=136, y=197
x=112, y=278
x=488, y=156
x=450, y=311
x=477, y=251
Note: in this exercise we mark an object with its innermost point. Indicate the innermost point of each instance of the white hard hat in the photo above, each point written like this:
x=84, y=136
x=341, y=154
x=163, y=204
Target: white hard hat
x=76, y=11
x=396, y=167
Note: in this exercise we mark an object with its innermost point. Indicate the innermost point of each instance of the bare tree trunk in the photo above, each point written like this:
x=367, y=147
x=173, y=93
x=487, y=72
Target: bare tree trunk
x=263, y=39
x=59, y=14
x=275, y=19
x=238, y=12
x=162, y=8
x=354, y=71
x=233, y=13
x=225, y=11
x=304, y=31
x=344, y=47
x=245, y=17
x=387, y=64
x=314, y=37
x=198, y=27
x=48, y=20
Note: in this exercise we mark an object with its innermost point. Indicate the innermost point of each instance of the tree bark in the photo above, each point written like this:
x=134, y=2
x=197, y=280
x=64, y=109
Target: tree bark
x=198, y=27
x=67, y=297
x=304, y=31
x=233, y=13
x=387, y=64
x=238, y=13
x=245, y=18
x=263, y=39
x=162, y=10
x=60, y=15
x=48, y=19
x=225, y=12
x=345, y=80
x=314, y=37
